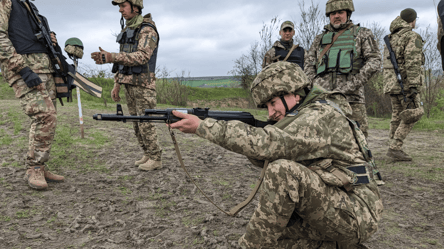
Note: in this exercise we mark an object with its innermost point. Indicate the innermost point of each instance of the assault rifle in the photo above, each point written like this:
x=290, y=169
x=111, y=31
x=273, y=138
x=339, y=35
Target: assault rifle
x=395, y=65
x=166, y=116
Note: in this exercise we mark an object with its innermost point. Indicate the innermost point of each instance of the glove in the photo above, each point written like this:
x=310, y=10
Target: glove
x=31, y=79
x=412, y=93
x=115, y=93
x=102, y=57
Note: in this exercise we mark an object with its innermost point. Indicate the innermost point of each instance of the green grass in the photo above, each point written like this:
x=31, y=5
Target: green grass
x=209, y=94
x=215, y=83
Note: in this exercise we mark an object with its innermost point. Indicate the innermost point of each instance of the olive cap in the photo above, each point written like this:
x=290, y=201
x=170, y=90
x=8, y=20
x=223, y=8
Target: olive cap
x=408, y=15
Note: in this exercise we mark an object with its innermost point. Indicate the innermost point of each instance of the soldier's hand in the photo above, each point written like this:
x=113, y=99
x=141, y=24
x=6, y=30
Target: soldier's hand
x=115, y=93
x=102, y=57
x=412, y=92
x=188, y=124
x=53, y=38
x=31, y=79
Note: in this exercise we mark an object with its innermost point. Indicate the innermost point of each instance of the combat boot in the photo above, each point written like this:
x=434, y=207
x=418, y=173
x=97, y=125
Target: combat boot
x=142, y=161
x=51, y=177
x=151, y=165
x=398, y=155
x=36, y=177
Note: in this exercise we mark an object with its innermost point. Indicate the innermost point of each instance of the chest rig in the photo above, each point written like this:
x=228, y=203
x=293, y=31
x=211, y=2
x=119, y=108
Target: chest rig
x=129, y=41
x=342, y=57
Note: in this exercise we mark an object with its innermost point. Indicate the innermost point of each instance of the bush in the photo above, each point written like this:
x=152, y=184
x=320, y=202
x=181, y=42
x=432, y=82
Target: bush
x=377, y=103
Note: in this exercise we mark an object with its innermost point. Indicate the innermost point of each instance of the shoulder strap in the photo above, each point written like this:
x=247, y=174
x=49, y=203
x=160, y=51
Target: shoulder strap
x=291, y=51
x=326, y=48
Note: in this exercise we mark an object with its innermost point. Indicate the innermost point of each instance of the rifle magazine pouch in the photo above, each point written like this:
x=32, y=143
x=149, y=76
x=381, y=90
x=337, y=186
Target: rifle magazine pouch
x=322, y=65
x=345, y=61
x=333, y=58
x=327, y=39
x=331, y=175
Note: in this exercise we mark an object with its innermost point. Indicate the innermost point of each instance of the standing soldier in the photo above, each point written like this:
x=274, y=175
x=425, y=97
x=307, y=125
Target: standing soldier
x=27, y=69
x=441, y=31
x=406, y=103
x=284, y=49
x=135, y=66
x=344, y=57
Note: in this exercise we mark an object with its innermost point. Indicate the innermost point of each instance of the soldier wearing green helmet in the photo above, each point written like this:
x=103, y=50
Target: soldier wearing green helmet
x=407, y=46
x=319, y=189
x=134, y=67
x=344, y=57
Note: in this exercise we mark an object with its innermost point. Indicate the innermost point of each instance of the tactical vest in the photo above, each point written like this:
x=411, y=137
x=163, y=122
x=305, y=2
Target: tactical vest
x=129, y=40
x=22, y=30
x=342, y=57
x=297, y=56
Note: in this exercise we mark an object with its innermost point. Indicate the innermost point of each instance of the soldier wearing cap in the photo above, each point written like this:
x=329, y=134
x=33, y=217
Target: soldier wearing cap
x=319, y=190
x=284, y=49
x=407, y=46
x=344, y=57
x=27, y=68
x=134, y=67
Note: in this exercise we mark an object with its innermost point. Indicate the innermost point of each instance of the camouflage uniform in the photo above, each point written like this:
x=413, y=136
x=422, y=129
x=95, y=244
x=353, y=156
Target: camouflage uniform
x=140, y=90
x=407, y=46
x=39, y=105
x=302, y=204
x=351, y=84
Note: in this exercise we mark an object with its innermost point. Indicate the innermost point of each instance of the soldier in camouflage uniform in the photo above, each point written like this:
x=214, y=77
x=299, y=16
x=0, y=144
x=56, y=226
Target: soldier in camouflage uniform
x=309, y=197
x=407, y=46
x=346, y=64
x=27, y=69
x=281, y=49
x=441, y=31
x=135, y=66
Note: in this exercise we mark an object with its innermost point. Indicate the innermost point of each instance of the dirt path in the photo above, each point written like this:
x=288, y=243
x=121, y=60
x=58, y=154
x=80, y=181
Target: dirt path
x=106, y=202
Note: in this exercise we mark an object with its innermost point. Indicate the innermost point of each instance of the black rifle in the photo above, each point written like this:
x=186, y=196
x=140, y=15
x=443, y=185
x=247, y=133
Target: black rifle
x=54, y=52
x=395, y=65
x=166, y=116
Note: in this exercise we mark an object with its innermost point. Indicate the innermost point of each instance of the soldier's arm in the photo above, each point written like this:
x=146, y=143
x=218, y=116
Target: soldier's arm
x=303, y=139
x=310, y=59
x=147, y=44
x=267, y=58
x=8, y=55
x=372, y=60
x=413, y=60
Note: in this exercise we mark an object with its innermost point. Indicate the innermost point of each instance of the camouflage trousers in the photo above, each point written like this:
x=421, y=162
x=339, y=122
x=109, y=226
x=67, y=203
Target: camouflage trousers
x=398, y=128
x=322, y=216
x=360, y=115
x=138, y=99
x=40, y=106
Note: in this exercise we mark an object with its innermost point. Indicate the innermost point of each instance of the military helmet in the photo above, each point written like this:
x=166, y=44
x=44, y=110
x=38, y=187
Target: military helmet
x=138, y=3
x=74, y=41
x=277, y=79
x=336, y=5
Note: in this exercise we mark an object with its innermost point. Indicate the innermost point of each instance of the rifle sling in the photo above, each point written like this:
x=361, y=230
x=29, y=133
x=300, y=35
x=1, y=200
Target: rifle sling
x=235, y=210
x=291, y=51
x=326, y=48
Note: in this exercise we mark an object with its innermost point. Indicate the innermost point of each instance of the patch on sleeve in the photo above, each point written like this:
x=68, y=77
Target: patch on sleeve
x=153, y=42
x=418, y=43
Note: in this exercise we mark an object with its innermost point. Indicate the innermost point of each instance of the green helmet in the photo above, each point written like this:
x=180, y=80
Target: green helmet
x=138, y=3
x=74, y=41
x=335, y=5
x=277, y=79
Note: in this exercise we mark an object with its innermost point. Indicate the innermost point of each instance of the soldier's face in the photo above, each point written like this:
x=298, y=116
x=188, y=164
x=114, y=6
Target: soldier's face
x=338, y=17
x=287, y=34
x=276, y=109
x=125, y=10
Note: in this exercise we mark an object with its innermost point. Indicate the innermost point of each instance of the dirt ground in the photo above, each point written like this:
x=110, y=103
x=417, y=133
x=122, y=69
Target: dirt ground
x=106, y=202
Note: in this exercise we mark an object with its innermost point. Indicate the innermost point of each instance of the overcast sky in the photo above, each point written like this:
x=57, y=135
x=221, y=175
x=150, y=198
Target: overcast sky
x=202, y=38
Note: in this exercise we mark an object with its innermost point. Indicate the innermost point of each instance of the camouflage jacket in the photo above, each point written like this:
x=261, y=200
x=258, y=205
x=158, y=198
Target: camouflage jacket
x=147, y=44
x=318, y=133
x=440, y=35
x=407, y=46
x=11, y=61
x=270, y=56
x=351, y=85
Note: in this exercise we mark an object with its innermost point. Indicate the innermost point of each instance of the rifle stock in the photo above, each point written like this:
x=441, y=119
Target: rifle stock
x=166, y=116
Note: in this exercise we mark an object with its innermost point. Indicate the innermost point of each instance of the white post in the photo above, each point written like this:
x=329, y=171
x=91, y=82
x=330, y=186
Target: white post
x=79, y=104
